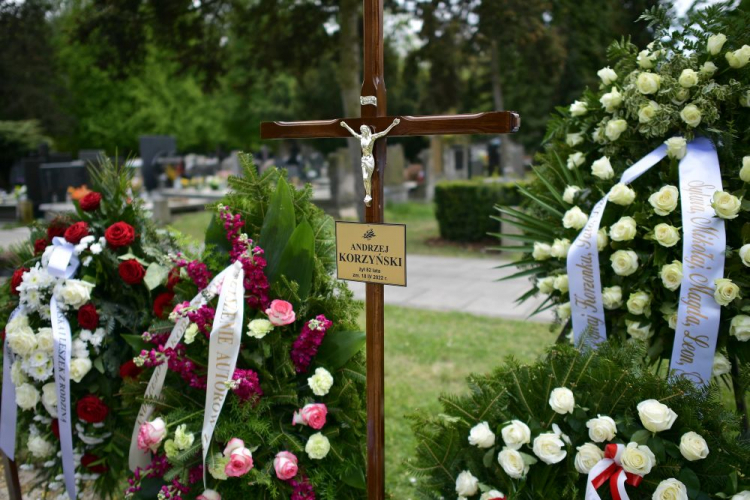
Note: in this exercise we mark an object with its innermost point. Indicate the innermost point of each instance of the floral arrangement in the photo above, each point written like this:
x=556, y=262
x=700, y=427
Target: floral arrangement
x=293, y=422
x=591, y=423
x=114, y=272
x=688, y=83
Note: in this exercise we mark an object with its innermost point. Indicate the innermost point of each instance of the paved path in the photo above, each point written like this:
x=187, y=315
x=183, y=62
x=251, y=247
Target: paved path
x=12, y=236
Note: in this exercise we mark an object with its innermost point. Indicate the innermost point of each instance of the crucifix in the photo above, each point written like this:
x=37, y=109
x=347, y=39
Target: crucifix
x=373, y=126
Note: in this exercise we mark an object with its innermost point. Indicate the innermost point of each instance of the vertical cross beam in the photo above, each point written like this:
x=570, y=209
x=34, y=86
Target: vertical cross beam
x=374, y=85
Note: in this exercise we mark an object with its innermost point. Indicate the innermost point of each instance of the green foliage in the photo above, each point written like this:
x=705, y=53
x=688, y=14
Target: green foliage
x=462, y=207
x=610, y=381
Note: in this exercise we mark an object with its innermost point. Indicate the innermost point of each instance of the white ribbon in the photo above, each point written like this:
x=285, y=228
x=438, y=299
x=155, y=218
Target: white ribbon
x=63, y=263
x=9, y=411
x=141, y=458
x=703, y=246
x=62, y=346
x=585, y=284
x=600, y=467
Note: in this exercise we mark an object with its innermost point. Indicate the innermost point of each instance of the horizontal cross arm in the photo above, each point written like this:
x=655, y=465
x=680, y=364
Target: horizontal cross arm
x=494, y=122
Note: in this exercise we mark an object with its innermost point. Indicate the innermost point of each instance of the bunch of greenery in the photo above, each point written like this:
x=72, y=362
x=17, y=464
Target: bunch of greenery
x=297, y=261
x=535, y=431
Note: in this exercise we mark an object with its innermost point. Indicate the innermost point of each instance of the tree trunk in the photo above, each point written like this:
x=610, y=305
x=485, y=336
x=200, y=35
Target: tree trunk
x=349, y=83
x=506, y=146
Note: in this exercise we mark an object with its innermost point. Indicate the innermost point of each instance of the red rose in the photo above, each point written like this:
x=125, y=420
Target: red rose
x=91, y=409
x=88, y=318
x=120, y=234
x=75, y=233
x=90, y=202
x=40, y=246
x=173, y=278
x=88, y=459
x=2, y=335
x=56, y=428
x=131, y=272
x=56, y=229
x=162, y=300
x=130, y=370
x=16, y=280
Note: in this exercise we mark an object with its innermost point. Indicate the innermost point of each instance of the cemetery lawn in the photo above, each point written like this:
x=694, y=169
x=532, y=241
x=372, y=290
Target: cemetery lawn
x=428, y=353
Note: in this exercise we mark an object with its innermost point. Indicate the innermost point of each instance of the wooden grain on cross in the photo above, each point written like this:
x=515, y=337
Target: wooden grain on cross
x=375, y=116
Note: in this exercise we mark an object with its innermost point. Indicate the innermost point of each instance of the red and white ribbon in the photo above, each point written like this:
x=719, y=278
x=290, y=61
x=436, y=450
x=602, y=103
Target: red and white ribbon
x=610, y=469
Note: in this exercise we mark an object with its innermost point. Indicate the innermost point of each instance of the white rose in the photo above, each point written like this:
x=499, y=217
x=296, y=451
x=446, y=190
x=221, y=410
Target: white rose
x=648, y=83
x=550, y=448
x=670, y=489
x=739, y=58
x=49, y=399
x=562, y=401
x=637, y=459
x=516, y=434
x=740, y=327
x=745, y=170
x=621, y=194
x=693, y=447
x=598, y=135
x=611, y=100
x=612, y=297
x=639, y=303
x=648, y=112
x=656, y=416
x=574, y=218
x=321, y=382
x=546, y=285
x=708, y=68
x=743, y=495
x=21, y=340
x=317, y=446
x=512, y=463
x=623, y=230
x=259, y=328
x=466, y=484
x=615, y=128
x=587, y=457
x=664, y=200
x=646, y=59
x=602, y=239
x=26, y=396
x=573, y=140
x=672, y=320
x=676, y=147
x=671, y=275
x=602, y=168
x=666, y=235
x=541, y=251
x=575, y=160
x=688, y=78
x=691, y=115
x=491, y=495
x=721, y=365
x=561, y=283
x=601, y=429
x=715, y=43
x=45, y=340
x=560, y=248
x=726, y=205
x=726, y=291
x=17, y=375
x=570, y=193
x=578, y=108
x=607, y=75
x=481, y=436
x=639, y=330
x=745, y=99
x=563, y=311
x=40, y=447
x=624, y=262
x=681, y=96
x=79, y=367
x=74, y=293
x=18, y=322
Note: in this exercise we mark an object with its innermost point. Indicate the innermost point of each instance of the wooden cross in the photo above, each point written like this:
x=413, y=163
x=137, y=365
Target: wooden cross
x=373, y=101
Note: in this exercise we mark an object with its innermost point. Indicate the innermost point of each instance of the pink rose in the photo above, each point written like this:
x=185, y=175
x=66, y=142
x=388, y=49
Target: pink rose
x=233, y=445
x=151, y=434
x=240, y=462
x=280, y=313
x=285, y=464
x=313, y=415
x=209, y=495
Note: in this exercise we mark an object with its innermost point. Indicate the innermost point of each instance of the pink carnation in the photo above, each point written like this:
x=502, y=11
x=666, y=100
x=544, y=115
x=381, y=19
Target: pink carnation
x=280, y=313
x=285, y=465
x=151, y=434
x=313, y=415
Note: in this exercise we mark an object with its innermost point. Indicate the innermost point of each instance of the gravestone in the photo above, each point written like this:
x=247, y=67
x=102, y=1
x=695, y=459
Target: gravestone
x=395, y=189
x=153, y=147
x=56, y=178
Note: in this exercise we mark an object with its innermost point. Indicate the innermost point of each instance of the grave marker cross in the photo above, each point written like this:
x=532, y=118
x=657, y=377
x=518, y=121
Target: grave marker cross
x=373, y=111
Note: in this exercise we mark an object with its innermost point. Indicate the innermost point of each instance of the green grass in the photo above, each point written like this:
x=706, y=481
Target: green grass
x=428, y=353
x=192, y=224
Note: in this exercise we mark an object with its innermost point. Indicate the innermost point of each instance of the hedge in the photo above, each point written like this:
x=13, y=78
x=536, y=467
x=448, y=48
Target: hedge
x=463, y=208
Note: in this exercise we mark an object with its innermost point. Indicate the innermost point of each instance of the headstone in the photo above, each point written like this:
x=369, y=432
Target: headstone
x=160, y=210
x=153, y=147
x=56, y=178
x=343, y=192
x=232, y=163
x=395, y=189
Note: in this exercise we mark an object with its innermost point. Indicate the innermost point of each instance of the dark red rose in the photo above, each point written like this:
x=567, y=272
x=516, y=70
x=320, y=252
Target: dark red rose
x=2, y=335
x=40, y=245
x=16, y=280
x=91, y=409
x=90, y=202
x=131, y=272
x=88, y=459
x=130, y=370
x=75, y=233
x=120, y=234
x=88, y=318
x=56, y=229
x=163, y=300
x=173, y=279
x=56, y=428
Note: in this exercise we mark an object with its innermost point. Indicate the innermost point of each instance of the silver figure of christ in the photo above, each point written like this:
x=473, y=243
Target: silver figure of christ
x=367, y=141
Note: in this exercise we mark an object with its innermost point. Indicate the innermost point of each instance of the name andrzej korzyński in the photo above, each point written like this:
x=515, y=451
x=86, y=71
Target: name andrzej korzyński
x=374, y=256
